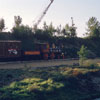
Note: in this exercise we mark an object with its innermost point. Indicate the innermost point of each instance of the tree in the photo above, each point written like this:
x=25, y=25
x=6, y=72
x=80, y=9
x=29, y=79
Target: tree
x=66, y=31
x=24, y=34
x=73, y=31
x=18, y=21
x=93, y=27
x=83, y=53
x=59, y=31
x=45, y=26
x=69, y=31
x=51, y=29
x=2, y=24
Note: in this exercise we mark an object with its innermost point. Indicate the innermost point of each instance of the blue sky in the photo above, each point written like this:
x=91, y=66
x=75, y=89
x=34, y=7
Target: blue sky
x=60, y=12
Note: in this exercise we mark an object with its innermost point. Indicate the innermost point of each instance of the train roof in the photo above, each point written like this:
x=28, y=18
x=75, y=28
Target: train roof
x=10, y=41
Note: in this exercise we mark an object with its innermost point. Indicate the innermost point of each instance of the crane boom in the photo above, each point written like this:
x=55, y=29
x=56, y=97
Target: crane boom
x=43, y=14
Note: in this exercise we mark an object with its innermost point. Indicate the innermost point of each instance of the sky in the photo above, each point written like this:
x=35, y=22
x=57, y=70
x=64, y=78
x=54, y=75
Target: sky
x=60, y=12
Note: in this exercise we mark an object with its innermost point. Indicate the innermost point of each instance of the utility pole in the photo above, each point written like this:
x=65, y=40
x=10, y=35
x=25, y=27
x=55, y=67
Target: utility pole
x=72, y=22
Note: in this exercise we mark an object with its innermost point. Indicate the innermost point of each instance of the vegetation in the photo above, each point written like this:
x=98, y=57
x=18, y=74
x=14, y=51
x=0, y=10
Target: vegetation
x=53, y=83
x=18, y=21
x=65, y=37
x=2, y=24
x=82, y=54
x=93, y=27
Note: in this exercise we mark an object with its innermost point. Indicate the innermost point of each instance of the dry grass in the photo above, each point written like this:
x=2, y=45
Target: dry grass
x=48, y=63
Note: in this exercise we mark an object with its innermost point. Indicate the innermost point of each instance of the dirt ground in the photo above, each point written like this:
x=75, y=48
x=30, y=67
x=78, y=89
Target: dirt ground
x=34, y=64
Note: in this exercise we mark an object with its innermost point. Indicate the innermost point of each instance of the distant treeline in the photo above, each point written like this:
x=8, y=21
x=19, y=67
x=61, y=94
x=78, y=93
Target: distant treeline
x=65, y=37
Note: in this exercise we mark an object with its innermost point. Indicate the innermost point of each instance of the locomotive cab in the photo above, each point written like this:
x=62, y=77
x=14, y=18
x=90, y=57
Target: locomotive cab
x=44, y=50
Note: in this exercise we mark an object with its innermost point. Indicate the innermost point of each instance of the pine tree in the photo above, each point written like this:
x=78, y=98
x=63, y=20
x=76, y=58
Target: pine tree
x=83, y=53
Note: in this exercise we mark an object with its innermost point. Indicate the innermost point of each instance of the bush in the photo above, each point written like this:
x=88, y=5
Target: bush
x=29, y=88
x=93, y=66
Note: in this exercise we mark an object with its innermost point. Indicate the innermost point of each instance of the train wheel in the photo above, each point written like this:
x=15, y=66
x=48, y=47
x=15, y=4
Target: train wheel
x=58, y=57
x=52, y=56
x=45, y=56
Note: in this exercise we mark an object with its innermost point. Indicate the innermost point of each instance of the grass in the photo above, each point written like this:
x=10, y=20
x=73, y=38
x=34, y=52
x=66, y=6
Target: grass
x=53, y=83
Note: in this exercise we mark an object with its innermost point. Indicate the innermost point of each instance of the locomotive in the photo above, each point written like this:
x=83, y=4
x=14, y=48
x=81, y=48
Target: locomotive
x=12, y=50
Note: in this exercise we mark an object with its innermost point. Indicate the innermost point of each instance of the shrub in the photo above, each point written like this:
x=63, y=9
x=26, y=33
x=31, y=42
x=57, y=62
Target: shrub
x=82, y=54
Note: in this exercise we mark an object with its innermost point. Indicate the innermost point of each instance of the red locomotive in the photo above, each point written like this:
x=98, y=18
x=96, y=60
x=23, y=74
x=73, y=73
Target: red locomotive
x=11, y=50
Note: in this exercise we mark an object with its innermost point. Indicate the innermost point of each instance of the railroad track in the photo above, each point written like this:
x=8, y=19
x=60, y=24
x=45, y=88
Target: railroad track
x=37, y=63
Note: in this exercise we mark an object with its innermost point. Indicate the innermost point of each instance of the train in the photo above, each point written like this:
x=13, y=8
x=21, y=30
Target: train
x=12, y=50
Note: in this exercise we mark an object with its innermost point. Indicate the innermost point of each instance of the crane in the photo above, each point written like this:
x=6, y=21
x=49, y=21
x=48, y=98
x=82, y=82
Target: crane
x=43, y=14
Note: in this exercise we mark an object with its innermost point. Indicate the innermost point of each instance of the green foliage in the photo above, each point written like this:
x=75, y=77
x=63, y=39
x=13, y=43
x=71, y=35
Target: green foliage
x=18, y=21
x=65, y=36
x=53, y=83
x=43, y=35
x=51, y=29
x=25, y=35
x=21, y=32
x=59, y=31
x=5, y=36
x=93, y=66
x=29, y=88
x=2, y=24
x=93, y=27
x=69, y=31
x=82, y=54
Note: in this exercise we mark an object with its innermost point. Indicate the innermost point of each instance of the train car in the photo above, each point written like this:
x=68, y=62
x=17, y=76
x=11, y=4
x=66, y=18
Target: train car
x=40, y=51
x=43, y=51
x=10, y=50
x=55, y=53
x=48, y=52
